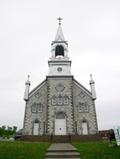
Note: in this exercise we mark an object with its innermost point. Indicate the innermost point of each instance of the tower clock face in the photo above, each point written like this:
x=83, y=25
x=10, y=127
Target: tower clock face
x=59, y=69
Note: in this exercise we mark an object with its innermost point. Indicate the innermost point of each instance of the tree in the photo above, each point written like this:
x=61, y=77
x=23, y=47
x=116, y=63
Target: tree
x=14, y=129
x=7, y=132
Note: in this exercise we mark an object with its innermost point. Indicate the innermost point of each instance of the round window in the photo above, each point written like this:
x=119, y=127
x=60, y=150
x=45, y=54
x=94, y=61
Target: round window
x=59, y=69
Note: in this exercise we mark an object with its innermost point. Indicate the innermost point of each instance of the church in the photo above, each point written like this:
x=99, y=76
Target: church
x=60, y=105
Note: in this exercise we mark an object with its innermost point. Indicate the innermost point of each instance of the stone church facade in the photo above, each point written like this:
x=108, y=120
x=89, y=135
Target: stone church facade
x=60, y=105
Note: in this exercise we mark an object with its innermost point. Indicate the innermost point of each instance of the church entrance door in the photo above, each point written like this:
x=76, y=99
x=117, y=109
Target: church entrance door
x=60, y=124
x=84, y=128
x=36, y=129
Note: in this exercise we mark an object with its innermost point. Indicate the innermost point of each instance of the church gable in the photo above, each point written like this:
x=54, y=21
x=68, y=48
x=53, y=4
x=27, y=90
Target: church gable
x=80, y=86
x=39, y=93
x=38, y=98
x=37, y=88
x=82, y=99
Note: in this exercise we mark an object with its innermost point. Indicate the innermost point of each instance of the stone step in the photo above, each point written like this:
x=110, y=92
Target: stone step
x=62, y=150
x=61, y=146
x=63, y=158
x=62, y=155
x=61, y=139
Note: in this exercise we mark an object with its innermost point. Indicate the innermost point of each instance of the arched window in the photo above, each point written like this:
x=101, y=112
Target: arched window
x=59, y=50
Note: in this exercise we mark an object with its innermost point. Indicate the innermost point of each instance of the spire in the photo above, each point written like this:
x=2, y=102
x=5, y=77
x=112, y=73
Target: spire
x=59, y=35
x=91, y=79
x=27, y=87
x=28, y=80
x=59, y=63
x=92, y=85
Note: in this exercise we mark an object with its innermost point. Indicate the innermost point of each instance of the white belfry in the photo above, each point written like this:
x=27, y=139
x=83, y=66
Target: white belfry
x=27, y=87
x=92, y=86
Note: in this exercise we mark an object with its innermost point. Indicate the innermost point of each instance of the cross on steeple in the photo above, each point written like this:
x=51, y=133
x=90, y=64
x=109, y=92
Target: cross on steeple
x=59, y=20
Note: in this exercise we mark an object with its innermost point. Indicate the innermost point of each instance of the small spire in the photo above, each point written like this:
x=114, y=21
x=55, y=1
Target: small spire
x=28, y=77
x=91, y=76
x=27, y=87
x=92, y=86
x=28, y=80
x=91, y=79
x=59, y=35
x=59, y=19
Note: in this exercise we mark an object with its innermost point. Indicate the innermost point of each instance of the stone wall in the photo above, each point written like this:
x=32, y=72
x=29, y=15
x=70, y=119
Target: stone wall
x=84, y=109
x=36, y=108
x=60, y=100
x=60, y=94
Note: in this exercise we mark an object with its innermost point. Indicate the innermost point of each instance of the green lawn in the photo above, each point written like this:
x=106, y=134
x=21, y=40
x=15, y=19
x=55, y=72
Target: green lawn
x=36, y=150
x=22, y=150
x=97, y=150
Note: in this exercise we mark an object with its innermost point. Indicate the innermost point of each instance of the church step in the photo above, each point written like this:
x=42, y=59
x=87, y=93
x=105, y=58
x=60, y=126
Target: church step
x=62, y=151
x=61, y=139
x=63, y=154
x=63, y=158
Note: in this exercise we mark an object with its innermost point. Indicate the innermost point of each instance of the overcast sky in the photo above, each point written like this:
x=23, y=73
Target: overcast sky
x=92, y=29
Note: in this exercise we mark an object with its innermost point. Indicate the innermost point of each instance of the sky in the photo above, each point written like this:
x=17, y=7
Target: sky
x=92, y=29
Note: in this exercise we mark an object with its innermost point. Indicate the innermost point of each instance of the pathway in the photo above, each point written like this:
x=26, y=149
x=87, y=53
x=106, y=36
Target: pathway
x=62, y=151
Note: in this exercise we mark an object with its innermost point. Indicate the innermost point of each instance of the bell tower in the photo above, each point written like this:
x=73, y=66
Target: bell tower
x=59, y=62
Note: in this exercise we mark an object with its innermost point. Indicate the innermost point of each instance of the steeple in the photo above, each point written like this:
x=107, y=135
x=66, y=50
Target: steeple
x=59, y=63
x=59, y=45
x=92, y=86
x=59, y=36
x=27, y=87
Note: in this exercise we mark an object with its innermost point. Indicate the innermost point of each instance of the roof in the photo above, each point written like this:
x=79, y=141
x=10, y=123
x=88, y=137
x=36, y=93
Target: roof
x=59, y=36
x=82, y=87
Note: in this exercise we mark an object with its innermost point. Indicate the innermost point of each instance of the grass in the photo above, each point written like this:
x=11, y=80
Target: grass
x=22, y=150
x=97, y=150
x=36, y=150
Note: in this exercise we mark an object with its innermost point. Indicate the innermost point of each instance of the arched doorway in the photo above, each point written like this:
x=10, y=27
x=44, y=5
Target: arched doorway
x=60, y=124
x=84, y=127
x=36, y=127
